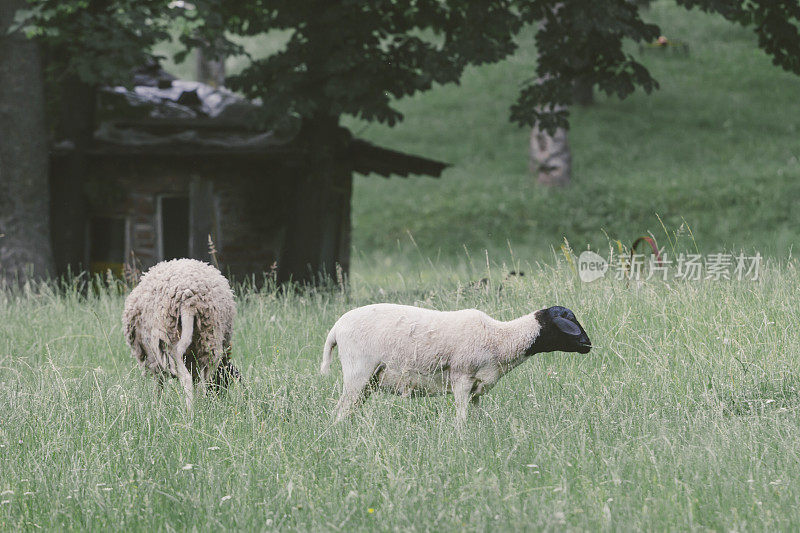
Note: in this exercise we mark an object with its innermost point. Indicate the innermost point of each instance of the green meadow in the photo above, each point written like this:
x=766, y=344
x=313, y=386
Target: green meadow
x=684, y=416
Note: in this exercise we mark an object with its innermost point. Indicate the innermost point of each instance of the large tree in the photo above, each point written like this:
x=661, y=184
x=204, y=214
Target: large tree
x=351, y=58
x=356, y=57
x=584, y=40
x=24, y=222
x=581, y=45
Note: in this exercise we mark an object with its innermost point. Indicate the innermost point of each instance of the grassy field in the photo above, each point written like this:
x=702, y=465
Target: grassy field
x=684, y=416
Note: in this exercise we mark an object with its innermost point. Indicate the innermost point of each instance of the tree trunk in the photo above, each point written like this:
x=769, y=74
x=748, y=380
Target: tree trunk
x=549, y=156
x=210, y=69
x=318, y=219
x=583, y=92
x=69, y=207
x=25, y=249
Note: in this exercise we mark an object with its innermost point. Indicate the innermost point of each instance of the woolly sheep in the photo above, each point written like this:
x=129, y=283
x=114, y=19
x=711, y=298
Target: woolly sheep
x=413, y=351
x=178, y=322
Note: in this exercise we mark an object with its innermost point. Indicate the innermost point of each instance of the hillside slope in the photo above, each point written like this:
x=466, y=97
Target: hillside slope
x=716, y=146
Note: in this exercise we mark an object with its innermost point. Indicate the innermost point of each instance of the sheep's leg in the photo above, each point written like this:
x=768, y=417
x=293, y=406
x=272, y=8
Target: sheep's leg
x=206, y=374
x=152, y=356
x=210, y=372
x=186, y=382
x=475, y=403
x=357, y=388
x=204, y=383
x=462, y=393
x=187, y=330
x=352, y=397
x=160, y=381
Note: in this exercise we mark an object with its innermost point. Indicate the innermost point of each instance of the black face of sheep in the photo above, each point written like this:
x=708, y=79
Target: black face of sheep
x=225, y=376
x=560, y=331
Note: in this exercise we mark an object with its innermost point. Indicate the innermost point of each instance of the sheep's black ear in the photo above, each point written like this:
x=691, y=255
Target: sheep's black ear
x=567, y=326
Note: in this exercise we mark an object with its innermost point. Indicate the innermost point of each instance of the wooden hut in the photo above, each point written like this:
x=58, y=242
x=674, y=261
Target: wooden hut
x=176, y=168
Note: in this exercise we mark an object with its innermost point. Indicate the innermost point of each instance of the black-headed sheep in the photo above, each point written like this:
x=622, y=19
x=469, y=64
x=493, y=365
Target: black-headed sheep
x=413, y=351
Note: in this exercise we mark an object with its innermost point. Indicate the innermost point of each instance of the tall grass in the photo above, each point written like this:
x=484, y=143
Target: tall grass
x=684, y=416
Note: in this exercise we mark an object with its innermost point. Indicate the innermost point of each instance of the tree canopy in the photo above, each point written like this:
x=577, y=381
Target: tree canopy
x=586, y=38
x=355, y=57
x=99, y=41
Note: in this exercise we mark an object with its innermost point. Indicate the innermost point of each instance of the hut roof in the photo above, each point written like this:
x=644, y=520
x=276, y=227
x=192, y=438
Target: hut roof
x=166, y=117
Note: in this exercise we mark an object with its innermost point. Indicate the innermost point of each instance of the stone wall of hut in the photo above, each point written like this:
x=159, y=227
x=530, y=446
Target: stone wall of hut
x=237, y=203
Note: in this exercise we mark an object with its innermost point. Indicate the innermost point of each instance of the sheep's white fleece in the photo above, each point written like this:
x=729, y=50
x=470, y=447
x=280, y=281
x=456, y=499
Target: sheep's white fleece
x=174, y=297
x=410, y=350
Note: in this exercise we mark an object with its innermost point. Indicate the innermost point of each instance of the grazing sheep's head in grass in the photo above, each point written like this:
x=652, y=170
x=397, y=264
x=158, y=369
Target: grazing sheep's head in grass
x=560, y=331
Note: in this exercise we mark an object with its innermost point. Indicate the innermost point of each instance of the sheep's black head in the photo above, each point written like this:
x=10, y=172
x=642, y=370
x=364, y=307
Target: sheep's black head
x=560, y=331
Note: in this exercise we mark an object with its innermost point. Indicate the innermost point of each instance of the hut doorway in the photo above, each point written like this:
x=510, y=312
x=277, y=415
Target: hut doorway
x=173, y=227
x=107, y=244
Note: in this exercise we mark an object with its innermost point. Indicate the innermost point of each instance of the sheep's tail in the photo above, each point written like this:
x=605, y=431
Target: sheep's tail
x=187, y=330
x=327, y=352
